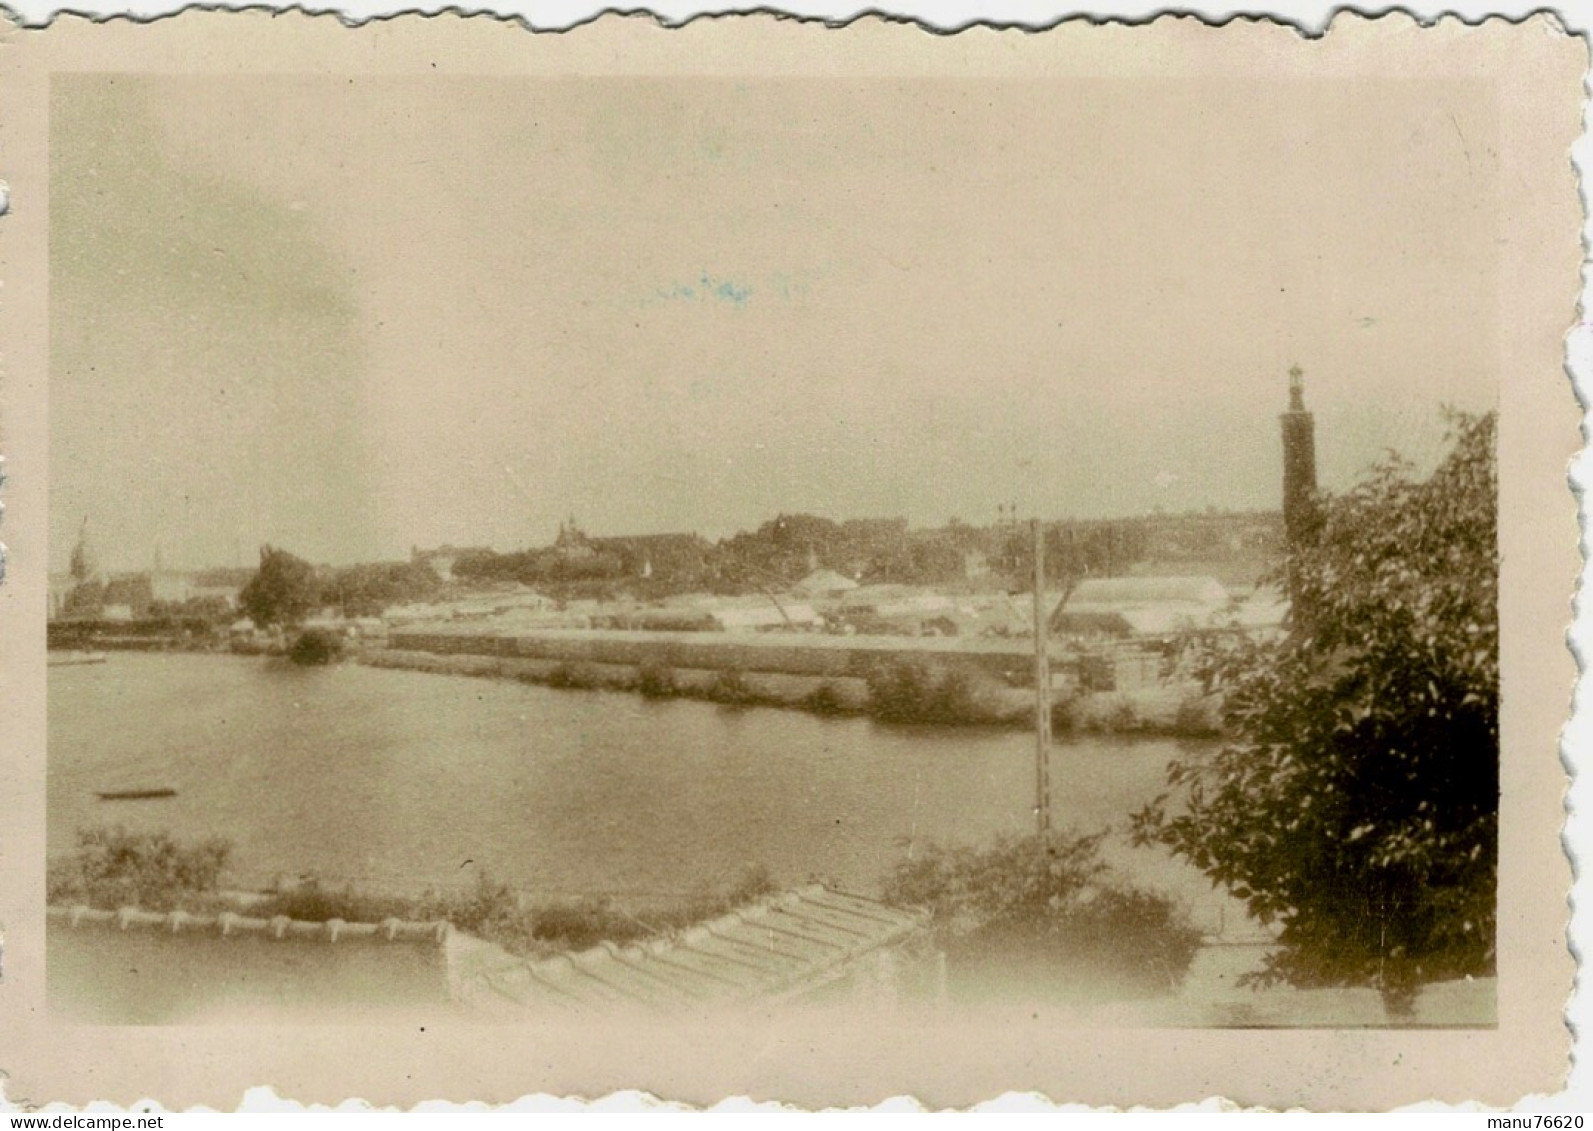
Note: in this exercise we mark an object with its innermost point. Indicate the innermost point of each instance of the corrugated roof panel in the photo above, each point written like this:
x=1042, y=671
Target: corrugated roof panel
x=675, y=984
x=867, y=909
x=808, y=929
x=733, y=940
x=568, y=977
x=798, y=951
x=628, y=983
x=730, y=939
x=834, y=919
x=715, y=971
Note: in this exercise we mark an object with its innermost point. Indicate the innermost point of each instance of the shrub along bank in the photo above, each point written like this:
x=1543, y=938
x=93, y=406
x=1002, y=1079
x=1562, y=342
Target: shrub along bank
x=908, y=692
x=112, y=868
x=1027, y=916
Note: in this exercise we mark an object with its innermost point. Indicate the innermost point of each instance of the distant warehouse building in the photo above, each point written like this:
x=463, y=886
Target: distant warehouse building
x=825, y=583
x=1141, y=607
x=764, y=617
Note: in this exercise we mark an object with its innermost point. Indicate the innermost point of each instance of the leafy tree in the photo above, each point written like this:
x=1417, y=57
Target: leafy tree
x=370, y=589
x=1355, y=802
x=284, y=591
x=1049, y=914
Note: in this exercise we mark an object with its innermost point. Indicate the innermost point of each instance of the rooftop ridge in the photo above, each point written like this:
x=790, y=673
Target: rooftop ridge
x=229, y=923
x=779, y=946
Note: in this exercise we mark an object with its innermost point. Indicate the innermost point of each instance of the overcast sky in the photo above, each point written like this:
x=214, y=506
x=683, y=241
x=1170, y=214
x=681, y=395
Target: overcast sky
x=350, y=317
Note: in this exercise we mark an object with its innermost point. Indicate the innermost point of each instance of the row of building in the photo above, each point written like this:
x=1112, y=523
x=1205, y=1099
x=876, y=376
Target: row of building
x=1124, y=609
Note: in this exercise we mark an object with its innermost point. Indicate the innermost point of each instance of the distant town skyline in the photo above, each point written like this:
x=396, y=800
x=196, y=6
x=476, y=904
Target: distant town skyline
x=347, y=318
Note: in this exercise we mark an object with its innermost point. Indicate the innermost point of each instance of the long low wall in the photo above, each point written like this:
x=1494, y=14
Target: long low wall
x=827, y=656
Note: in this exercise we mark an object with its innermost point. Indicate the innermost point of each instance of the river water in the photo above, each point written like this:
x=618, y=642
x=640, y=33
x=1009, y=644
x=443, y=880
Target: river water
x=403, y=780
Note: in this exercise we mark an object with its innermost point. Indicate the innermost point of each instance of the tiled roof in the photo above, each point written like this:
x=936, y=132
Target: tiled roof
x=228, y=923
x=773, y=950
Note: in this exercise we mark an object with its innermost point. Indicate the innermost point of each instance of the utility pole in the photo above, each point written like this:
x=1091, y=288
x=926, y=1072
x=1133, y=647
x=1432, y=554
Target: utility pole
x=1042, y=691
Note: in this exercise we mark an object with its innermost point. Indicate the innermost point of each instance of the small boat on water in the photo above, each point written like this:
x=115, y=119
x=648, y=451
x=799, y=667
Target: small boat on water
x=62, y=659
x=134, y=794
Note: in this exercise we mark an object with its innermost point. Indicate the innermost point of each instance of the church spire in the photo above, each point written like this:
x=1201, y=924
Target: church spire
x=84, y=567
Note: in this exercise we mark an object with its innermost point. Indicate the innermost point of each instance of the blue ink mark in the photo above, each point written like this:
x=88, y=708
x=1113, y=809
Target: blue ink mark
x=709, y=288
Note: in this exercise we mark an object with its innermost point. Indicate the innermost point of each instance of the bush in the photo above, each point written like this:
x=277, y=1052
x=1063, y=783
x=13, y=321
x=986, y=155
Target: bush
x=657, y=682
x=1051, y=911
x=1197, y=717
x=753, y=884
x=580, y=677
x=113, y=868
x=316, y=646
x=732, y=688
x=582, y=924
x=1121, y=716
x=496, y=913
x=826, y=699
x=491, y=910
x=312, y=903
x=913, y=692
x=960, y=697
x=1067, y=714
x=899, y=692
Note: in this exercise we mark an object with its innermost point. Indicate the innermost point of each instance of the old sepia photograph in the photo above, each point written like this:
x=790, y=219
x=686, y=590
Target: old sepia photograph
x=618, y=545
x=1015, y=547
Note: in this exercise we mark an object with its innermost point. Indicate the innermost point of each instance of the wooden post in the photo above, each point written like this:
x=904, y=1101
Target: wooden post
x=1042, y=691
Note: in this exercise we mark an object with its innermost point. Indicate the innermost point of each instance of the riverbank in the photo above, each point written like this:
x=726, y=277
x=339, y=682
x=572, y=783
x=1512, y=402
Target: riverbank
x=1160, y=711
x=841, y=695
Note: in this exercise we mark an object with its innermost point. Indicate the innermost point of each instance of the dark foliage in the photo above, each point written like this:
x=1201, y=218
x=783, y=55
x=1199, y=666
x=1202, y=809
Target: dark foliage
x=283, y=591
x=315, y=646
x=826, y=699
x=1356, y=802
x=657, y=682
x=113, y=868
x=1052, y=910
x=731, y=688
x=912, y=692
x=575, y=676
x=368, y=590
x=312, y=902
